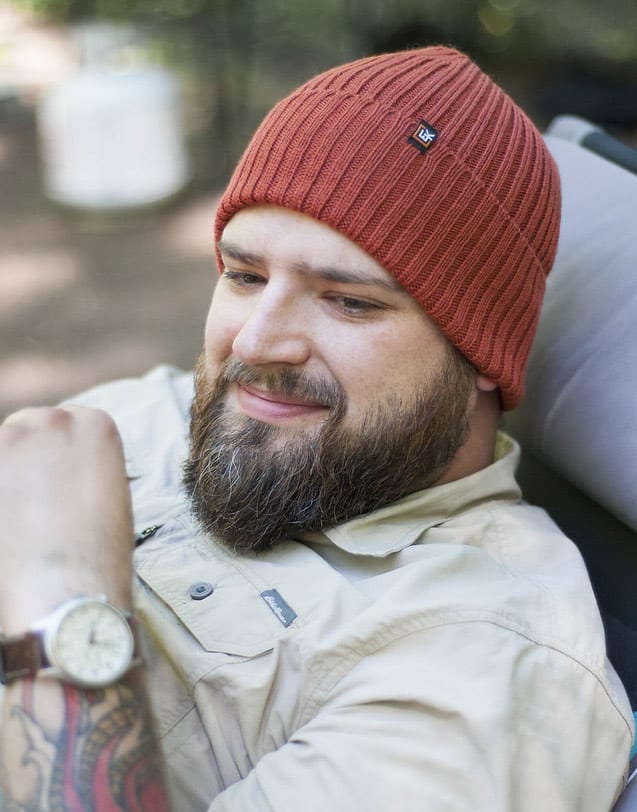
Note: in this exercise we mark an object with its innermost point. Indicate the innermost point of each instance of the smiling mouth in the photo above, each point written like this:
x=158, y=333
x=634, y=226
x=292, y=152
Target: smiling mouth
x=269, y=406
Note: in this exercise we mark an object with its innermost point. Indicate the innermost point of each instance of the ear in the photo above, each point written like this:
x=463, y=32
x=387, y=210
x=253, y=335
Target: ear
x=484, y=384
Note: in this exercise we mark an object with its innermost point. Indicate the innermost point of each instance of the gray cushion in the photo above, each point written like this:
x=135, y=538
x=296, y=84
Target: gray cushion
x=579, y=414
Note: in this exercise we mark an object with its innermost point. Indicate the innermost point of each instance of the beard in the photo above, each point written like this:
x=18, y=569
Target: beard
x=251, y=486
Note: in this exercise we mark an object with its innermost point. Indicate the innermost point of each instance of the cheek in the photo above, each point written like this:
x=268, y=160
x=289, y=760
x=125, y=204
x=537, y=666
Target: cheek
x=220, y=332
x=390, y=364
x=369, y=369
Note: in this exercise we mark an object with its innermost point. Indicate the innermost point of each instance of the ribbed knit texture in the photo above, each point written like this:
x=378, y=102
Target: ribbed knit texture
x=469, y=228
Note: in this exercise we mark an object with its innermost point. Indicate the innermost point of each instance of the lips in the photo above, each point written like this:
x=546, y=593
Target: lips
x=272, y=406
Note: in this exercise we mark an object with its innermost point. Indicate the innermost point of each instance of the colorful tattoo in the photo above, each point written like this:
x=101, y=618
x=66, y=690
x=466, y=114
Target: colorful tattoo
x=102, y=757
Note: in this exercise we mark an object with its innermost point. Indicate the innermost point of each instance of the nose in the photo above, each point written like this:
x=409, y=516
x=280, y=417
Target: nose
x=275, y=331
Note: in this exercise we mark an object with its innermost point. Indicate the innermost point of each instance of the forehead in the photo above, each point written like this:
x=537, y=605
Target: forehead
x=275, y=235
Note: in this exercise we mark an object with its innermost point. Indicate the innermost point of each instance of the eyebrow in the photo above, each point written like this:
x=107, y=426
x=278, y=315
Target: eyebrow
x=328, y=273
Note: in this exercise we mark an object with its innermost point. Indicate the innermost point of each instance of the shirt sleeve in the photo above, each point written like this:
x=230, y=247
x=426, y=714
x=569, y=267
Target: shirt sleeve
x=465, y=716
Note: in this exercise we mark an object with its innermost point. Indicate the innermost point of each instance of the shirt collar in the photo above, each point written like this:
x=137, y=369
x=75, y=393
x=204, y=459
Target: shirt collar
x=397, y=526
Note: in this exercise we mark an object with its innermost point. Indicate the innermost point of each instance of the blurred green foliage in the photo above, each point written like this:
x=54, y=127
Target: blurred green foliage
x=577, y=26
x=239, y=56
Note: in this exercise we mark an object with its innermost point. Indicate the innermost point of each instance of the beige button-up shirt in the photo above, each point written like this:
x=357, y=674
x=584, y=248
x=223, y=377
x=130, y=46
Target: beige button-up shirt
x=443, y=653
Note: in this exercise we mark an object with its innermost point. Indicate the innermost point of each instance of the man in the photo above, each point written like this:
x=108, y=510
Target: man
x=340, y=600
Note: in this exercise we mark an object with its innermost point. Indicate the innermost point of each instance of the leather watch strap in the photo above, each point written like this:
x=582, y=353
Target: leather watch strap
x=21, y=656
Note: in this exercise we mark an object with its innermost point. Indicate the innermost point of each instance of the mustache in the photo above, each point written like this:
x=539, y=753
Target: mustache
x=287, y=381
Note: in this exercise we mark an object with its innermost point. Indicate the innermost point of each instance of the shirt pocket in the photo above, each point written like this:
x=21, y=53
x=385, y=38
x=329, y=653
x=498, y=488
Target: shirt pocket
x=210, y=596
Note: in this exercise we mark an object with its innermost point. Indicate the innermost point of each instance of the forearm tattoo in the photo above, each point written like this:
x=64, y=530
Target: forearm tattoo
x=100, y=756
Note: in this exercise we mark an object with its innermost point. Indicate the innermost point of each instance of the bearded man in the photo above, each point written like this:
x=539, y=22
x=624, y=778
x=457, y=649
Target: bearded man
x=337, y=598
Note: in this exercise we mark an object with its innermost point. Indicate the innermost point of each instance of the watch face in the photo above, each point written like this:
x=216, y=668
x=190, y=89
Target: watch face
x=91, y=644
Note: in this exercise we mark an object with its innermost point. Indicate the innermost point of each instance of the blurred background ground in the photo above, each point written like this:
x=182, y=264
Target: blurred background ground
x=86, y=297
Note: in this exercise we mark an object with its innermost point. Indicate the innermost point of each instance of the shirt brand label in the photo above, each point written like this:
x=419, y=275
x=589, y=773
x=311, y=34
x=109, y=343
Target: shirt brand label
x=279, y=607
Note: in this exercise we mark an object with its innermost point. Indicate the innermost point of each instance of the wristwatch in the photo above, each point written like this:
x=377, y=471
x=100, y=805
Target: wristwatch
x=85, y=642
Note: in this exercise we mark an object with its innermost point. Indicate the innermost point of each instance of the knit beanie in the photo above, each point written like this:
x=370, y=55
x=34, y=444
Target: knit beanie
x=425, y=163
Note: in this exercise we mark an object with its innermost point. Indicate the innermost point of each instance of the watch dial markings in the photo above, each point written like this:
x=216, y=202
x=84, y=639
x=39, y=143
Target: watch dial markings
x=93, y=643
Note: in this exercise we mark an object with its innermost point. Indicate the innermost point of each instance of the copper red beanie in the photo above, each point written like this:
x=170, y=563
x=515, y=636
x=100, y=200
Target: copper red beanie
x=420, y=159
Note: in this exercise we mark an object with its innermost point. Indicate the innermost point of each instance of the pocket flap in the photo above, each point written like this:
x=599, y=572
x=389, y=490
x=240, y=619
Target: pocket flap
x=213, y=599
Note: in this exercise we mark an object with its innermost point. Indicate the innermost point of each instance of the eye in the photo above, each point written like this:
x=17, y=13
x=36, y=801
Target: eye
x=352, y=306
x=242, y=279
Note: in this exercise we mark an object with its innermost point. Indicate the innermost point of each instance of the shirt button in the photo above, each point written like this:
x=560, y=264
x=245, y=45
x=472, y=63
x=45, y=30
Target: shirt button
x=201, y=590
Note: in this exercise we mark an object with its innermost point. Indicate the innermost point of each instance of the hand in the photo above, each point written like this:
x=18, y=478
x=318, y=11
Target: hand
x=66, y=519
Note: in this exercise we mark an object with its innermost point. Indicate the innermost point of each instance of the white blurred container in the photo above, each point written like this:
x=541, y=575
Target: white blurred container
x=111, y=135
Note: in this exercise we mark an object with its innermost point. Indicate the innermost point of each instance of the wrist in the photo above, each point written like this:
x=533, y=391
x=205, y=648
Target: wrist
x=26, y=603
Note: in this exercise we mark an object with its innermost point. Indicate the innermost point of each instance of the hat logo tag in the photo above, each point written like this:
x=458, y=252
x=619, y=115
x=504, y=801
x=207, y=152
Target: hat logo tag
x=424, y=136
